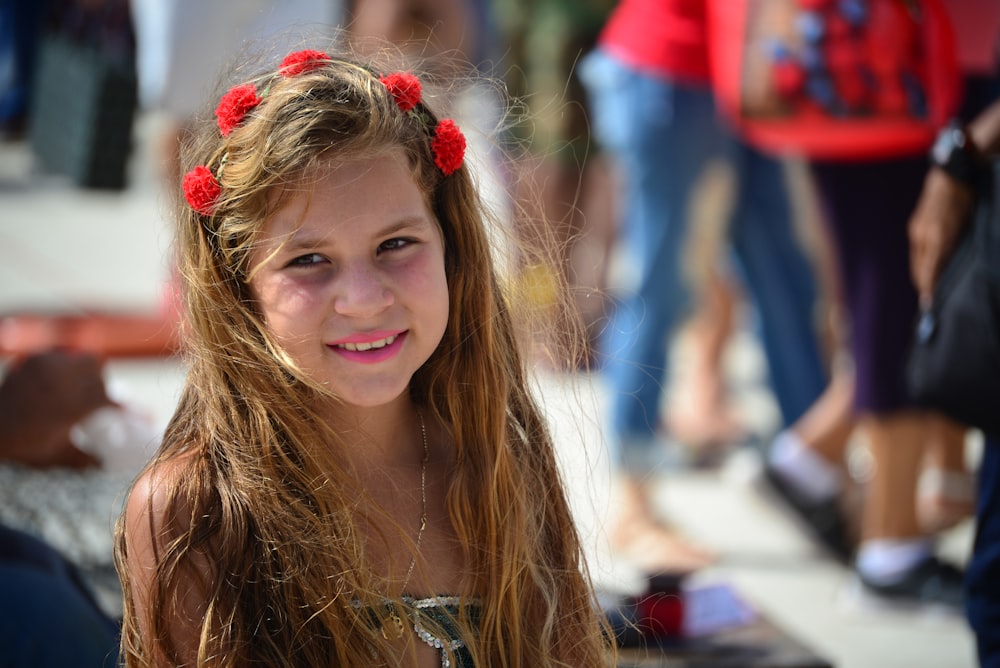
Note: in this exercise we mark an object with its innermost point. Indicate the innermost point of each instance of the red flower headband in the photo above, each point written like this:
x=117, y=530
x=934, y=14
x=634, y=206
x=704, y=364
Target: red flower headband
x=201, y=189
x=234, y=106
x=448, y=146
x=448, y=143
x=200, y=185
x=300, y=62
x=405, y=89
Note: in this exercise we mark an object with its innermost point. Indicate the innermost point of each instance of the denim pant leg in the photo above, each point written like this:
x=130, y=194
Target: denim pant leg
x=781, y=281
x=983, y=573
x=661, y=135
x=20, y=30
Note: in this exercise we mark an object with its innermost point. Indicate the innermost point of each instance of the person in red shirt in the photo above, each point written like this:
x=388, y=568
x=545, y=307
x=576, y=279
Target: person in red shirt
x=654, y=111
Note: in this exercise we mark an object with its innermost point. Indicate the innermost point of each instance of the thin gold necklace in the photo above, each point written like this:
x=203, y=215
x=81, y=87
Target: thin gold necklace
x=423, y=501
x=393, y=615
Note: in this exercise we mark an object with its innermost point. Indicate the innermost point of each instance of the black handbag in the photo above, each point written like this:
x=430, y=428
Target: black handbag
x=954, y=364
x=83, y=109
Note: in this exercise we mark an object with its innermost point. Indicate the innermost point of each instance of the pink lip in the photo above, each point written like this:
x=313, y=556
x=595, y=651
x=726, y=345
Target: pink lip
x=374, y=355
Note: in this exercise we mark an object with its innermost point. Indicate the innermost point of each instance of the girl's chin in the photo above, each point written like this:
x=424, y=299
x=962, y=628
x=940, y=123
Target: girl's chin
x=351, y=399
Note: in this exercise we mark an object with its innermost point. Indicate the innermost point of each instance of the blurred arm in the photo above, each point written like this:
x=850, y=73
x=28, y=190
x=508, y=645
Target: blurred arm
x=41, y=398
x=945, y=207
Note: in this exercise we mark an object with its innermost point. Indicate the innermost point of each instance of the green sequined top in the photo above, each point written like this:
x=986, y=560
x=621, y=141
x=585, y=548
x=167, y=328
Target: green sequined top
x=437, y=613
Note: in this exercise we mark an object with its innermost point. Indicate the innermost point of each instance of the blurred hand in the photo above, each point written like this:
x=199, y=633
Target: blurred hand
x=942, y=212
x=41, y=398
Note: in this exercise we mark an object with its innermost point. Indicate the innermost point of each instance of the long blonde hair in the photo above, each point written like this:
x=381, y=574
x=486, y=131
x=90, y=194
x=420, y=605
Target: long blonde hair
x=263, y=494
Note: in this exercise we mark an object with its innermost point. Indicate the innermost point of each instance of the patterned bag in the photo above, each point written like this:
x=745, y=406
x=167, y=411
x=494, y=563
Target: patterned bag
x=83, y=110
x=835, y=79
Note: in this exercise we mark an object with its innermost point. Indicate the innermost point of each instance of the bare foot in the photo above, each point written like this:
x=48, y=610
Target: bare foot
x=705, y=428
x=649, y=544
x=654, y=548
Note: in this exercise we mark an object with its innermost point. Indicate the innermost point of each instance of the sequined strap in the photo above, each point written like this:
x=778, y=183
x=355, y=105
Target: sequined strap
x=441, y=611
x=438, y=613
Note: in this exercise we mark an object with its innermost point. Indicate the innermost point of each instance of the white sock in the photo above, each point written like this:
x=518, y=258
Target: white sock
x=885, y=561
x=810, y=474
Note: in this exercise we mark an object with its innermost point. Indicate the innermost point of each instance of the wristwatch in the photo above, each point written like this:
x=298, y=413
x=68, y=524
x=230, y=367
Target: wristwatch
x=955, y=153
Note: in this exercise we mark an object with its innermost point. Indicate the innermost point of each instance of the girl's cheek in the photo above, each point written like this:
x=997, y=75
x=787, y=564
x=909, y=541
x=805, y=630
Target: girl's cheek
x=425, y=268
x=292, y=297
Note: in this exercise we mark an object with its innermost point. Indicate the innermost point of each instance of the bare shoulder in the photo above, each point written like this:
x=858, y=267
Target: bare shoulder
x=153, y=518
x=154, y=510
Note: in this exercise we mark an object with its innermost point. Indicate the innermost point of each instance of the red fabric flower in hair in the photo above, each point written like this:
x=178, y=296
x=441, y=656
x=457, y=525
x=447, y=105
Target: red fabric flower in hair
x=448, y=146
x=405, y=89
x=234, y=105
x=298, y=62
x=201, y=189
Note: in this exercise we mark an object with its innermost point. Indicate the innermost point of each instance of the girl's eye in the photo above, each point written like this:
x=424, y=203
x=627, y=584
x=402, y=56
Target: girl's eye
x=306, y=260
x=393, y=244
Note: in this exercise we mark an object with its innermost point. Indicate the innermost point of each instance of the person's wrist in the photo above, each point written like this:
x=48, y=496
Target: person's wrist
x=954, y=194
x=955, y=153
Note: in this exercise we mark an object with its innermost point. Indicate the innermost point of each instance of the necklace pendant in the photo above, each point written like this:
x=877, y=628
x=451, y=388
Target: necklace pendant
x=397, y=626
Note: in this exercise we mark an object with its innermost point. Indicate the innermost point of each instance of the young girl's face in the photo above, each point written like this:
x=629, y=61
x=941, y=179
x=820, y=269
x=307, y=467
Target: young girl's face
x=350, y=279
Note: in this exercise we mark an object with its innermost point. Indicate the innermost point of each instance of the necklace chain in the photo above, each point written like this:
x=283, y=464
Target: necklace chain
x=423, y=501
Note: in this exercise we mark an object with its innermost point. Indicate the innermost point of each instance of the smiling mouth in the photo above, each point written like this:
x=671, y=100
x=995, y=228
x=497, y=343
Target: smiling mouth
x=368, y=345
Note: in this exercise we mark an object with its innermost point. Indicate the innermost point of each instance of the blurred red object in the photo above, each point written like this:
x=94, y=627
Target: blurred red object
x=814, y=4
x=659, y=611
x=660, y=614
x=789, y=78
x=106, y=334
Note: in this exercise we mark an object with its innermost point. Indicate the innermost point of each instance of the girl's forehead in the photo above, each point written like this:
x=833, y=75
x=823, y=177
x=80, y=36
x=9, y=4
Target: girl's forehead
x=358, y=196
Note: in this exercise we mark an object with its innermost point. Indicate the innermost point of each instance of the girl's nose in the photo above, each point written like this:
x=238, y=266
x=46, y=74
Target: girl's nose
x=361, y=292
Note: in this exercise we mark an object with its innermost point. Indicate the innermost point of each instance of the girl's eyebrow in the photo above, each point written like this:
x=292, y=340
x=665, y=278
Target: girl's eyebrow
x=303, y=240
x=405, y=223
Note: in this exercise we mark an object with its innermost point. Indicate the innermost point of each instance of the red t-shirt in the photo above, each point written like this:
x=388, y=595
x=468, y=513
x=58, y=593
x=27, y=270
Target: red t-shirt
x=666, y=37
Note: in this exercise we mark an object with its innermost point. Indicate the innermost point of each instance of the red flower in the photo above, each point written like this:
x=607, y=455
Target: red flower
x=234, y=105
x=448, y=146
x=789, y=77
x=201, y=190
x=405, y=89
x=298, y=62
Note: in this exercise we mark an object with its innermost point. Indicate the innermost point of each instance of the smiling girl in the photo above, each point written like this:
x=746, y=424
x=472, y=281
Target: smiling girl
x=356, y=473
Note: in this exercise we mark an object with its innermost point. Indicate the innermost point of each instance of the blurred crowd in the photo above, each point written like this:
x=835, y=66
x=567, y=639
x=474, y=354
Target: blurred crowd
x=667, y=221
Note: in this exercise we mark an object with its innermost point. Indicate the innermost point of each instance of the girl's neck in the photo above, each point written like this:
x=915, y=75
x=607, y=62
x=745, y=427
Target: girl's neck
x=384, y=436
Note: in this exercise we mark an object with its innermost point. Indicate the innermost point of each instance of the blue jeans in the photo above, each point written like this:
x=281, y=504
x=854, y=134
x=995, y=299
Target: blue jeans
x=662, y=135
x=20, y=29
x=48, y=618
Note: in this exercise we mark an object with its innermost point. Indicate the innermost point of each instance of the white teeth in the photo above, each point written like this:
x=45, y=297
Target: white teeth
x=361, y=347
